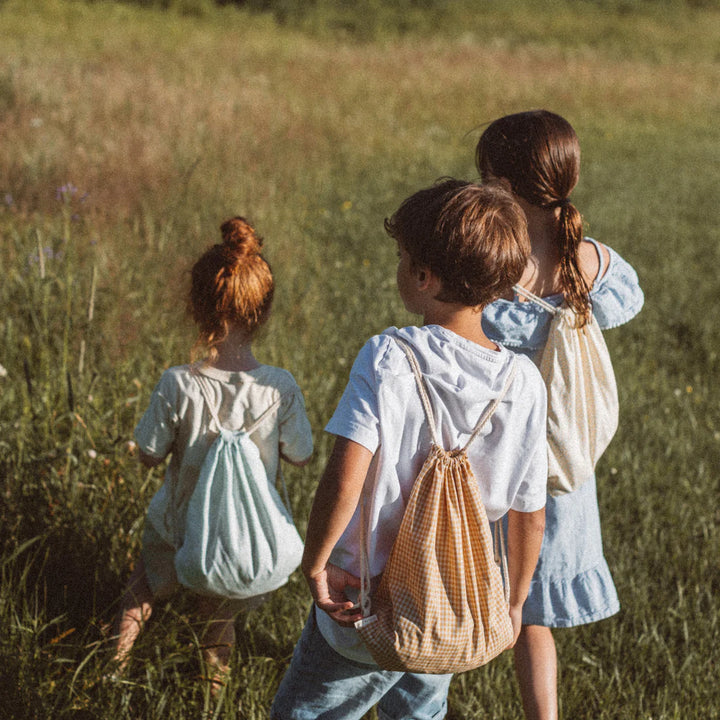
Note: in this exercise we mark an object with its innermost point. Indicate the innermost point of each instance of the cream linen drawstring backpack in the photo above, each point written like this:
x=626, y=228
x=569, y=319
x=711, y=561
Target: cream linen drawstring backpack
x=441, y=605
x=581, y=393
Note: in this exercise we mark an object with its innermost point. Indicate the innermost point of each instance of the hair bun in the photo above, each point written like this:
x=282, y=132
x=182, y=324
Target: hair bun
x=240, y=233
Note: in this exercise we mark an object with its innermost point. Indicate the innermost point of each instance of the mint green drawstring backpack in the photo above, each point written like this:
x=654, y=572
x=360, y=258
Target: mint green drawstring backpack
x=239, y=539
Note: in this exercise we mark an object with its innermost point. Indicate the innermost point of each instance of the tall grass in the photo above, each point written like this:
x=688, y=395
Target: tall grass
x=127, y=134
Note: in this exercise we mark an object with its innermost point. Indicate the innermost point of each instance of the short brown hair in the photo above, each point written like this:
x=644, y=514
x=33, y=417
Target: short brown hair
x=473, y=237
x=232, y=284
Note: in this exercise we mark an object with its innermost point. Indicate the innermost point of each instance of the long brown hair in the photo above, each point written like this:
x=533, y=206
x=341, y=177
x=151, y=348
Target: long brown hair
x=538, y=153
x=232, y=284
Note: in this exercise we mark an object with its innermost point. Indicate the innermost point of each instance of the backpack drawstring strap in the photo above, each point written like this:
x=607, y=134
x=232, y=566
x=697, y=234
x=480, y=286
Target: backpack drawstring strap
x=256, y=424
x=206, y=396
x=214, y=414
x=365, y=581
x=544, y=304
x=490, y=410
x=422, y=390
x=501, y=556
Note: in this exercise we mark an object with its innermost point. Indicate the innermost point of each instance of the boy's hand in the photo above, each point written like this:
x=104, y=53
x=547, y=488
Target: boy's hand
x=336, y=500
x=328, y=591
x=516, y=620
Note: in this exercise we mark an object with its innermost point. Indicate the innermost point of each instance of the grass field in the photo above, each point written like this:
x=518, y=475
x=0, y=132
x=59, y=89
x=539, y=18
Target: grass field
x=127, y=134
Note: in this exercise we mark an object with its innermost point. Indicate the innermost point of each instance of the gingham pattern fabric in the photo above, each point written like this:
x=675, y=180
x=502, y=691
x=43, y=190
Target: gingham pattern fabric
x=441, y=606
x=583, y=407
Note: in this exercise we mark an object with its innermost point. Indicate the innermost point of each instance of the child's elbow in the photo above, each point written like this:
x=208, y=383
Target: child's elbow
x=529, y=523
x=149, y=461
x=296, y=463
x=536, y=520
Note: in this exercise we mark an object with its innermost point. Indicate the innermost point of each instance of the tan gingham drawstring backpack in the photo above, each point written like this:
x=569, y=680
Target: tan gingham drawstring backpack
x=582, y=397
x=441, y=605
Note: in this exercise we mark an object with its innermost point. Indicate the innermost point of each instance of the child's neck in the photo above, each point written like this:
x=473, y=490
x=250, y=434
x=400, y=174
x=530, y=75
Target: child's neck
x=542, y=274
x=461, y=320
x=235, y=353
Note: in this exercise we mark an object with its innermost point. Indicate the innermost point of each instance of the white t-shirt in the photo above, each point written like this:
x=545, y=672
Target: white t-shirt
x=381, y=410
x=178, y=422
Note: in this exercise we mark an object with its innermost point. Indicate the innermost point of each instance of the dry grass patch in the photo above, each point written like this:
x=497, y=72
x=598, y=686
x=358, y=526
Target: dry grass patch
x=247, y=114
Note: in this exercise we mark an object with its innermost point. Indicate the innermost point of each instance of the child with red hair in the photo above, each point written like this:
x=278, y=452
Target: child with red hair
x=230, y=299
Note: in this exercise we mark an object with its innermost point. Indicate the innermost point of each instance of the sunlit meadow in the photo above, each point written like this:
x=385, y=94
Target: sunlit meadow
x=128, y=134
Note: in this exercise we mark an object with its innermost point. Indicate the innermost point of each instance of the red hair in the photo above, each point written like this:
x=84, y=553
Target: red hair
x=232, y=284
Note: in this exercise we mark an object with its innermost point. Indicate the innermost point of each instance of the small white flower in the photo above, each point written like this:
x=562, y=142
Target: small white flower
x=92, y=454
x=3, y=372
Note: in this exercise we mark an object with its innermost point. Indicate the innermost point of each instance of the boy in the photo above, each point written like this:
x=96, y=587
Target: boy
x=460, y=247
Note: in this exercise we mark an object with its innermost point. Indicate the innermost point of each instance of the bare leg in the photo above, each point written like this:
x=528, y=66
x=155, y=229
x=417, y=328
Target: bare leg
x=536, y=670
x=135, y=610
x=218, y=637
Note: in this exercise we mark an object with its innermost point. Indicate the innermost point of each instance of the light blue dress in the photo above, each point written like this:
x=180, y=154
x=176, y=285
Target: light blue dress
x=572, y=584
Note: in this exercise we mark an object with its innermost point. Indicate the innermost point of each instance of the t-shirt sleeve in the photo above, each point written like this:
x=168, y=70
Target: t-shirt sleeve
x=617, y=297
x=532, y=489
x=155, y=433
x=356, y=416
x=296, y=442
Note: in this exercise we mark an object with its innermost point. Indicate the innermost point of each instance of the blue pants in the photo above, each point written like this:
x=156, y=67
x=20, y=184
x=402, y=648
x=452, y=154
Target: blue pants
x=320, y=684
